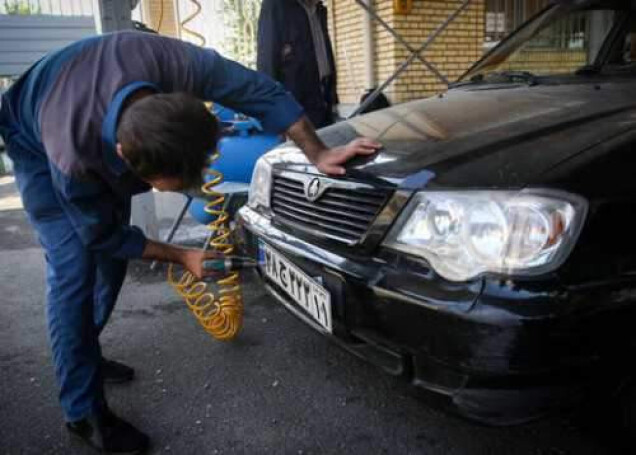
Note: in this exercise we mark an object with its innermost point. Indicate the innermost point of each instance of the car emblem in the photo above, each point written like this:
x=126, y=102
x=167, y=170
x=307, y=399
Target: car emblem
x=313, y=189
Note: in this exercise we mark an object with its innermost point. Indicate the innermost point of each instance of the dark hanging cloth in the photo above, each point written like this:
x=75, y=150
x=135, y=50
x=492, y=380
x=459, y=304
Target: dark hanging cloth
x=287, y=53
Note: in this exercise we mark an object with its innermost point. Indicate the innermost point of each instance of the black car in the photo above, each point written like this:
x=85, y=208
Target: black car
x=487, y=252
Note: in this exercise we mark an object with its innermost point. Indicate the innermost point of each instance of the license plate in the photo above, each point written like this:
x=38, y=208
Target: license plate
x=302, y=289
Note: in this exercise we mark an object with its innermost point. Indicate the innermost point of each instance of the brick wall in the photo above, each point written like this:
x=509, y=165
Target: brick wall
x=385, y=45
x=452, y=53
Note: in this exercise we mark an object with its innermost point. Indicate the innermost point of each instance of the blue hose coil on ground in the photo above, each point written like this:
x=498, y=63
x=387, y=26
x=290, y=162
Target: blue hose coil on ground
x=243, y=142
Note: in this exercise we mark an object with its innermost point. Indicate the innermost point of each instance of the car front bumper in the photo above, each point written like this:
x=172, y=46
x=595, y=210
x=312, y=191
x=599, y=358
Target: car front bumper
x=496, y=351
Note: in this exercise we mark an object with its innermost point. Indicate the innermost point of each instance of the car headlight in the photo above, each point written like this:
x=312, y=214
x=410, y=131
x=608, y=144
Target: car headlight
x=261, y=185
x=465, y=233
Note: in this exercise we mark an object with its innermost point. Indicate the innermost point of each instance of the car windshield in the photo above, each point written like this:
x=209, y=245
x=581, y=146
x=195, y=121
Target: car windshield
x=564, y=40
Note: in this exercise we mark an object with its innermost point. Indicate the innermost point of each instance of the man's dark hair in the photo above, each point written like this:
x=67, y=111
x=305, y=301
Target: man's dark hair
x=168, y=135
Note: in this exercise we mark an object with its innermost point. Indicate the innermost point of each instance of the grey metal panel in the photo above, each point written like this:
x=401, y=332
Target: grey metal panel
x=25, y=39
x=42, y=34
x=45, y=20
x=10, y=70
x=18, y=58
x=7, y=45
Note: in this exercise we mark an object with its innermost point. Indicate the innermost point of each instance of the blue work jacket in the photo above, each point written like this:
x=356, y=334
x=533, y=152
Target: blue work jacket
x=66, y=107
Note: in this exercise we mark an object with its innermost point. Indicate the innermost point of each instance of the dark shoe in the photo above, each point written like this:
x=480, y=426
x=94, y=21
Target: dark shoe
x=116, y=373
x=107, y=433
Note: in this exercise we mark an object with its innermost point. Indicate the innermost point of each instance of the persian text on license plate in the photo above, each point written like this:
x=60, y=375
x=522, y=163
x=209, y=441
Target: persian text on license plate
x=302, y=289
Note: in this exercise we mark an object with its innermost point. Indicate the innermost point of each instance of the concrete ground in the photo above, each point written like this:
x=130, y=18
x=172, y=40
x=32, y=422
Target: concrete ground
x=279, y=388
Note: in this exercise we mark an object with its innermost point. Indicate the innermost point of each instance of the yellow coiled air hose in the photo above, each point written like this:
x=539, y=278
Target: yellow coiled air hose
x=220, y=313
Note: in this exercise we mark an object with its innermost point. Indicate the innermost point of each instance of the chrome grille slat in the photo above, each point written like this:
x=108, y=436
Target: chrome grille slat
x=350, y=235
x=326, y=210
x=336, y=205
x=355, y=198
x=294, y=186
x=344, y=211
x=370, y=194
x=370, y=207
x=326, y=219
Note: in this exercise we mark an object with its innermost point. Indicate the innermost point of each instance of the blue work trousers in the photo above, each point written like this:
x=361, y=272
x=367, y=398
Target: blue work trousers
x=82, y=286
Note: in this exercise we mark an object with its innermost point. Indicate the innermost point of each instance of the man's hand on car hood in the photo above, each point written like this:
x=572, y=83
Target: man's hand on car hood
x=331, y=161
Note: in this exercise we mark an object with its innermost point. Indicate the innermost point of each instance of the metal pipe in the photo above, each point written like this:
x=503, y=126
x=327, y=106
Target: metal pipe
x=415, y=53
x=369, y=57
x=402, y=41
x=175, y=225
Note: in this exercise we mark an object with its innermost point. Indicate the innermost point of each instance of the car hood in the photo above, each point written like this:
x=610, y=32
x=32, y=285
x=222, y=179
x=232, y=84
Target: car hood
x=488, y=136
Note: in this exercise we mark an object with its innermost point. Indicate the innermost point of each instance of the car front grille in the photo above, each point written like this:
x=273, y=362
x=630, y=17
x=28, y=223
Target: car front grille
x=343, y=212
